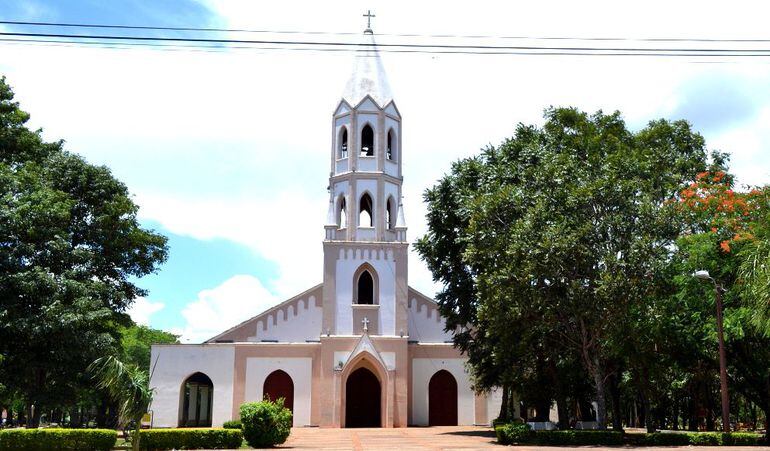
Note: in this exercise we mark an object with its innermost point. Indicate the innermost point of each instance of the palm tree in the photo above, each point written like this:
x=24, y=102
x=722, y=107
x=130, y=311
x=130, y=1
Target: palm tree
x=129, y=386
x=754, y=272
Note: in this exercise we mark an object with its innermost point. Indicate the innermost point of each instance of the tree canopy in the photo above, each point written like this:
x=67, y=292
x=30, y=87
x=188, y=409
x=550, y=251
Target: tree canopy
x=563, y=245
x=71, y=248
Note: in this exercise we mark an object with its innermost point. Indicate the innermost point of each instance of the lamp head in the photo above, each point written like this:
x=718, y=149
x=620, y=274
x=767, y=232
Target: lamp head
x=702, y=275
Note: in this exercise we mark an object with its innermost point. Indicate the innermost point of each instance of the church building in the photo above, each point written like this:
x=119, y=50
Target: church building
x=360, y=349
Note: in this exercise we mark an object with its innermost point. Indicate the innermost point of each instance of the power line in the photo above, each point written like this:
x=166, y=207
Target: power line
x=221, y=49
x=410, y=35
x=438, y=48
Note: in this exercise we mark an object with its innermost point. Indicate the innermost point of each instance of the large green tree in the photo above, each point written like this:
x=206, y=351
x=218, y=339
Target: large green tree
x=70, y=248
x=563, y=228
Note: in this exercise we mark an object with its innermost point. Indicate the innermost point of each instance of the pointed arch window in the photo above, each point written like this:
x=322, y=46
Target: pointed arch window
x=390, y=150
x=344, y=143
x=365, y=288
x=342, y=215
x=390, y=213
x=365, y=211
x=367, y=141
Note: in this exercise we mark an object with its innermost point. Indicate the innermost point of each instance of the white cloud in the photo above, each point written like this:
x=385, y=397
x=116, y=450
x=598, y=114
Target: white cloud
x=224, y=306
x=235, y=145
x=142, y=309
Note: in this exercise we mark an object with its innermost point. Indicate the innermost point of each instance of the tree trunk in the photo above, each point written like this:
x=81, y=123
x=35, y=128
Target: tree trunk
x=601, y=403
x=33, y=416
x=648, y=418
x=101, y=414
x=504, y=414
x=617, y=414
x=563, y=411
x=137, y=436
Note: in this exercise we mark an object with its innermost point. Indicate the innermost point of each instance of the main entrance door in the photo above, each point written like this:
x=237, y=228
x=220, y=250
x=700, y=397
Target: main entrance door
x=362, y=400
x=442, y=399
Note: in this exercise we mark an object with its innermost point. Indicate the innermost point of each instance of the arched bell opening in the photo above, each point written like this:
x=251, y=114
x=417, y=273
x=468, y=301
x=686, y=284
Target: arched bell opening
x=367, y=141
x=366, y=211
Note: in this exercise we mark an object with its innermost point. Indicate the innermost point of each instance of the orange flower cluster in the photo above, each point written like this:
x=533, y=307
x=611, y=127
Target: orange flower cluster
x=729, y=215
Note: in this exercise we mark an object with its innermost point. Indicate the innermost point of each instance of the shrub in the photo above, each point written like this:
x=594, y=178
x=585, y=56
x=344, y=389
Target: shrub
x=190, y=438
x=232, y=424
x=508, y=434
x=265, y=423
x=58, y=439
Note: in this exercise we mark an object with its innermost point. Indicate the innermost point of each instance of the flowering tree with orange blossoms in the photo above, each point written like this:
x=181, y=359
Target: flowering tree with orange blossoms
x=714, y=206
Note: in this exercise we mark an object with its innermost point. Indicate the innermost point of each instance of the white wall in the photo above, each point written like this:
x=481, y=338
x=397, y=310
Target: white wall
x=296, y=327
x=384, y=264
x=425, y=323
x=300, y=371
x=175, y=364
x=423, y=370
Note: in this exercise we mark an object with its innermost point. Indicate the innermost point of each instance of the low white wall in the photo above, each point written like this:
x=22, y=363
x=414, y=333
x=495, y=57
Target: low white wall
x=173, y=364
x=300, y=371
x=494, y=400
x=423, y=370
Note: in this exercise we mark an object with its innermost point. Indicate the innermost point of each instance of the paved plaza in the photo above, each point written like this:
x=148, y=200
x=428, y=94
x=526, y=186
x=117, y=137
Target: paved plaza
x=432, y=438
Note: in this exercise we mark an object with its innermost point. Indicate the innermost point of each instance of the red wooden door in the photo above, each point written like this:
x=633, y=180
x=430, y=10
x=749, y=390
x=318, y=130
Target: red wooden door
x=362, y=400
x=279, y=385
x=442, y=399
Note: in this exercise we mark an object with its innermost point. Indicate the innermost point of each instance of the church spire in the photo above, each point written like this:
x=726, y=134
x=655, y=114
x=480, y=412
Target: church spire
x=368, y=77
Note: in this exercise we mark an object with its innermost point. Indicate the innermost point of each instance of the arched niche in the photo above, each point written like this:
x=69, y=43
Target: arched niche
x=197, y=396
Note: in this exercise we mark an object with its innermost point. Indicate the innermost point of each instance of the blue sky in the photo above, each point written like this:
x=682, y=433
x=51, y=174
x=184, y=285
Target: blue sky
x=226, y=153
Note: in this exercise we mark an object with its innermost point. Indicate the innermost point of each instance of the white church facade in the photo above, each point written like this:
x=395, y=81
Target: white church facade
x=362, y=348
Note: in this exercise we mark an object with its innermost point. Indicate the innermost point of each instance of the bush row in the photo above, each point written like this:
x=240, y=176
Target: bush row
x=519, y=433
x=57, y=439
x=696, y=439
x=190, y=438
x=232, y=424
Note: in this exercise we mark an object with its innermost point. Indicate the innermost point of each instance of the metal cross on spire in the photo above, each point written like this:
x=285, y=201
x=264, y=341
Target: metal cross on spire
x=369, y=16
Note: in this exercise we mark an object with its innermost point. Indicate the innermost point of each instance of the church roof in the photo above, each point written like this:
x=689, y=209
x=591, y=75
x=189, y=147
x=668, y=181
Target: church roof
x=368, y=76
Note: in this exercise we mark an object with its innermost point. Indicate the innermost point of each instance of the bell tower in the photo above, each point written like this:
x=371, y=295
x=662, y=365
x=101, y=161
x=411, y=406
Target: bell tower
x=365, y=248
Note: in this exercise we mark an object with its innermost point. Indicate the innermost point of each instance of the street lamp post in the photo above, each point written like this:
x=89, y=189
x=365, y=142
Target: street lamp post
x=704, y=275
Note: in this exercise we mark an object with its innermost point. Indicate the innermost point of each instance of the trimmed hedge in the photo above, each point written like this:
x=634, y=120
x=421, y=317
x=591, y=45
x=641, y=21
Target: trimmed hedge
x=265, y=423
x=518, y=433
x=190, y=438
x=232, y=424
x=696, y=439
x=58, y=439
x=509, y=434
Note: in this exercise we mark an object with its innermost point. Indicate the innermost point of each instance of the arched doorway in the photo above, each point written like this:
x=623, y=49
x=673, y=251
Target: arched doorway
x=442, y=399
x=362, y=400
x=195, y=405
x=279, y=385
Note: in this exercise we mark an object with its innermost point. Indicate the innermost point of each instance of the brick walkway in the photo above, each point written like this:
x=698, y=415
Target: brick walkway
x=434, y=438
